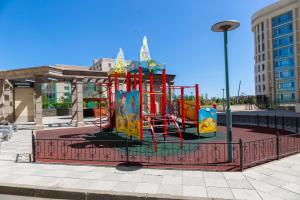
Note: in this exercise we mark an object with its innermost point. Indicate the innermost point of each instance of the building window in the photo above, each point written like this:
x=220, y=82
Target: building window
x=283, y=41
x=259, y=78
x=264, y=87
x=285, y=62
x=263, y=77
x=283, y=52
x=259, y=88
x=263, y=67
x=262, y=27
x=293, y=96
x=258, y=68
x=282, y=30
x=283, y=18
x=109, y=65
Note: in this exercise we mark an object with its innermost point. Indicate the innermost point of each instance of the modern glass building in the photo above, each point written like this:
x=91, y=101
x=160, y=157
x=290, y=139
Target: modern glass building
x=277, y=48
x=284, y=57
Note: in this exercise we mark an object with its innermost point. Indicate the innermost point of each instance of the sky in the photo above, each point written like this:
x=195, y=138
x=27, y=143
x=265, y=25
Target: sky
x=49, y=32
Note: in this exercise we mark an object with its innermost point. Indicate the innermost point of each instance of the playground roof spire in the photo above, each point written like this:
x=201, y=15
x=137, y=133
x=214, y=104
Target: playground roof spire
x=144, y=52
x=120, y=62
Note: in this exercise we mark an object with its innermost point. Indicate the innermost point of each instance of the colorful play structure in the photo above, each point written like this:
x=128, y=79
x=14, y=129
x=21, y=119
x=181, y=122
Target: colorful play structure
x=137, y=106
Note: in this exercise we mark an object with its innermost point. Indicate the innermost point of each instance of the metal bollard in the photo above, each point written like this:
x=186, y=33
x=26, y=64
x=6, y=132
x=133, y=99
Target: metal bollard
x=277, y=145
x=241, y=155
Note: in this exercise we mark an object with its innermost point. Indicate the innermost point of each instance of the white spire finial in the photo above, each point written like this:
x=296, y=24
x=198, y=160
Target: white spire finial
x=144, y=52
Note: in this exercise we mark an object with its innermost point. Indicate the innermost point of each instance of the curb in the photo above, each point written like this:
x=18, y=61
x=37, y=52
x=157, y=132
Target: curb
x=79, y=194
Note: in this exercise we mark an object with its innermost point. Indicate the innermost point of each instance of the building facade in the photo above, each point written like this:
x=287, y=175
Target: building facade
x=277, y=53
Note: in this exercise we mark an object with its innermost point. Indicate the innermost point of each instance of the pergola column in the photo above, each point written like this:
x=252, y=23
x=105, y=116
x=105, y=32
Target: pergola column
x=77, y=102
x=79, y=90
x=38, y=112
x=74, y=102
x=8, y=101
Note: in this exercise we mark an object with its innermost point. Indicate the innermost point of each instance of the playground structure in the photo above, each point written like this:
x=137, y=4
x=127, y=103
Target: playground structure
x=137, y=106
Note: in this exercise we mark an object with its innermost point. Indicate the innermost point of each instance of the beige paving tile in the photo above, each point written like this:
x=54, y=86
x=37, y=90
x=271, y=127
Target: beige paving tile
x=193, y=173
x=293, y=187
x=148, y=188
x=131, y=177
x=254, y=174
x=175, y=190
x=125, y=187
x=27, y=180
x=242, y=184
x=262, y=186
x=213, y=175
x=234, y=175
x=274, y=181
x=156, y=179
x=190, y=180
x=216, y=182
x=103, y=185
x=266, y=196
x=111, y=177
x=93, y=175
x=245, y=194
x=216, y=192
x=194, y=191
x=284, y=194
x=173, y=180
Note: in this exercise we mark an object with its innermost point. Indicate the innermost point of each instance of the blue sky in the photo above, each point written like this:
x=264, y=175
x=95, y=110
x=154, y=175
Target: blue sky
x=39, y=32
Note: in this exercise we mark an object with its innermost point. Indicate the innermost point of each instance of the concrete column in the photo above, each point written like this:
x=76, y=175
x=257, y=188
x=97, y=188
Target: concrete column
x=38, y=112
x=1, y=100
x=79, y=90
x=77, y=102
x=8, y=102
x=74, y=103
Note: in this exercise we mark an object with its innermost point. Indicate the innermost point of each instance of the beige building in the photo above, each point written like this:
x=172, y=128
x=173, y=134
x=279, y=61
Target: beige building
x=277, y=53
x=104, y=64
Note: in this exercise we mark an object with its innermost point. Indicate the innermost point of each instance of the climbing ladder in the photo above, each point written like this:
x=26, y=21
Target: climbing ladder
x=159, y=125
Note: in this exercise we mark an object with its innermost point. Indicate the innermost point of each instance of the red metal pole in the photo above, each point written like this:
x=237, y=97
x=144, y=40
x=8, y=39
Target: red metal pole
x=182, y=108
x=128, y=82
x=100, y=114
x=197, y=106
x=164, y=97
x=134, y=81
x=152, y=97
x=116, y=82
x=141, y=101
x=109, y=102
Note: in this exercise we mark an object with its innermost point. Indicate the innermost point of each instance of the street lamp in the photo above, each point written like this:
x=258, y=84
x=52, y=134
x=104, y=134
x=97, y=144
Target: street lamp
x=225, y=26
x=223, y=103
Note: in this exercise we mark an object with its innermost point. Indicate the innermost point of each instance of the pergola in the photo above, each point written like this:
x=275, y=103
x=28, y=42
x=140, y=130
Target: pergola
x=35, y=76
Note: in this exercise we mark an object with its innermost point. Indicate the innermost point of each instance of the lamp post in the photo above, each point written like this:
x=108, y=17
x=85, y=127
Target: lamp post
x=225, y=26
x=223, y=105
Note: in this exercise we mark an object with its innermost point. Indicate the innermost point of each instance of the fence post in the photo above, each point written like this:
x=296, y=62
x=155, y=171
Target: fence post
x=127, y=153
x=275, y=122
x=257, y=119
x=33, y=146
x=282, y=119
x=268, y=121
x=277, y=145
x=296, y=124
x=241, y=154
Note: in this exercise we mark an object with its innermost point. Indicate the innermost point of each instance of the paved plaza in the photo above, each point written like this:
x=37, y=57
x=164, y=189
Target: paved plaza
x=274, y=180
